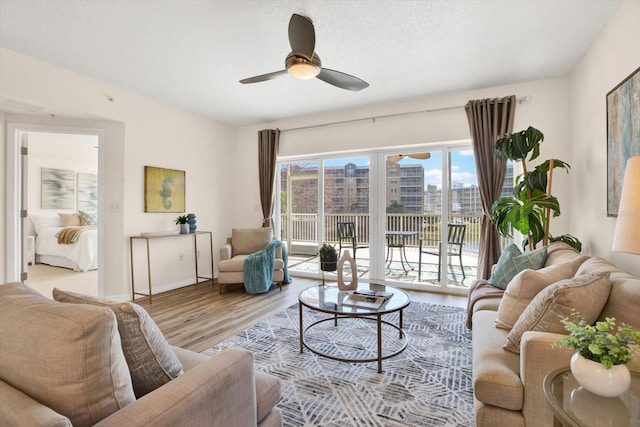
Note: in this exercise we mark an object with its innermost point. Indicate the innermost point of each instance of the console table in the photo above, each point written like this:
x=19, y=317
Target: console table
x=148, y=239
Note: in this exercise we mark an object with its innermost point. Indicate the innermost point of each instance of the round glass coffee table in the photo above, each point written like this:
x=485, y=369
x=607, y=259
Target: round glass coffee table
x=575, y=406
x=330, y=300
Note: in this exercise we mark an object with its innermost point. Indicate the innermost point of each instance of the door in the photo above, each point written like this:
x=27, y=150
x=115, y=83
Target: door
x=299, y=211
x=347, y=223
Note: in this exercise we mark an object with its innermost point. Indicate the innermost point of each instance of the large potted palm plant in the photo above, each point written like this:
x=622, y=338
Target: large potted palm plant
x=532, y=206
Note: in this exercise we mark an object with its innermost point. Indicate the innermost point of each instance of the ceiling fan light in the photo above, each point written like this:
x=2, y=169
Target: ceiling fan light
x=304, y=71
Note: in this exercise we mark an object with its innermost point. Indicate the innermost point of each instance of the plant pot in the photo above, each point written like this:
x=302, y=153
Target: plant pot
x=329, y=263
x=598, y=379
x=184, y=228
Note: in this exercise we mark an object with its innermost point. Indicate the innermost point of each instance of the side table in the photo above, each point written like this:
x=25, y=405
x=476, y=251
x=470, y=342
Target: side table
x=575, y=406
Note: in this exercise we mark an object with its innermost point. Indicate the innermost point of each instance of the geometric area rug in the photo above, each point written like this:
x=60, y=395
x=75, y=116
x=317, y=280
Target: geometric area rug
x=429, y=384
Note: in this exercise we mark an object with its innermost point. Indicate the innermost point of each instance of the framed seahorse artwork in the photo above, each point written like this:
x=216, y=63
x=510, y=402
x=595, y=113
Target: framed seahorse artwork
x=163, y=190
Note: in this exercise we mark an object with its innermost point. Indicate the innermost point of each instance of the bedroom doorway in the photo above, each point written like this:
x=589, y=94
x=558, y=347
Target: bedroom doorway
x=59, y=182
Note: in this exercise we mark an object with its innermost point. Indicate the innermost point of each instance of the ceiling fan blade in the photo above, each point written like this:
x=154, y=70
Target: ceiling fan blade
x=342, y=80
x=302, y=36
x=263, y=77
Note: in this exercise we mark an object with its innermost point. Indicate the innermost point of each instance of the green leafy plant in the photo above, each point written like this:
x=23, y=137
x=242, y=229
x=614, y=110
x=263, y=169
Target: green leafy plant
x=327, y=250
x=182, y=219
x=600, y=342
x=532, y=206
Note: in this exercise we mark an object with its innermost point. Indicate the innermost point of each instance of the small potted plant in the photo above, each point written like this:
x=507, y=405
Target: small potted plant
x=328, y=257
x=184, y=226
x=600, y=362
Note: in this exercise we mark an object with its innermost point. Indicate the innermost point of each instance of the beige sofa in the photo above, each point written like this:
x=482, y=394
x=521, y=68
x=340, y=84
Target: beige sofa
x=507, y=386
x=242, y=243
x=65, y=364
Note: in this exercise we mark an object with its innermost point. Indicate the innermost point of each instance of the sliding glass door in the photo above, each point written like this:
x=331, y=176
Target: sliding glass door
x=346, y=208
x=299, y=190
x=415, y=217
x=433, y=213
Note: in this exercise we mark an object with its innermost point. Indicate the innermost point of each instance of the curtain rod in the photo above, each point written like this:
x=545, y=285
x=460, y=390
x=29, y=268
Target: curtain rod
x=388, y=116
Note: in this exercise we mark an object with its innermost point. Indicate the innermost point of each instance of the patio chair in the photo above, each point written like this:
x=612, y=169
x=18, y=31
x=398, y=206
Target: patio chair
x=347, y=237
x=455, y=241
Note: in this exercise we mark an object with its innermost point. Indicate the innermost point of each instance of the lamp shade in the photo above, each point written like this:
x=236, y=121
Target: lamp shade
x=627, y=233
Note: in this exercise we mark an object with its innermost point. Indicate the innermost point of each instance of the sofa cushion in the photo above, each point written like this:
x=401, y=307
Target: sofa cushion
x=526, y=285
x=512, y=261
x=268, y=393
x=624, y=298
x=17, y=288
x=496, y=373
x=559, y=253
x=151, y=361
x=249, y=240
x=586, y=293
x=19, y=410
x=65, y=356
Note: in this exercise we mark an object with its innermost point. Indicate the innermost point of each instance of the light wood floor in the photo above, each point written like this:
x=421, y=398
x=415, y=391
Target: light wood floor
x=197, y=317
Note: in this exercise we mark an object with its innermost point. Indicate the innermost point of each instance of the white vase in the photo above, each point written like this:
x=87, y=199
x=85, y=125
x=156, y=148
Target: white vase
x=598, y=379
x=346, y=257
x=184, y=228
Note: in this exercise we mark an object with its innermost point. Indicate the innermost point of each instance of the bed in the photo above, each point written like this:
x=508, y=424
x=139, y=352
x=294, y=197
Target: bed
x=82, y=255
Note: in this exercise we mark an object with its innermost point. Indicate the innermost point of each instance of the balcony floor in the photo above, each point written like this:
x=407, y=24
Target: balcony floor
x=308, y=264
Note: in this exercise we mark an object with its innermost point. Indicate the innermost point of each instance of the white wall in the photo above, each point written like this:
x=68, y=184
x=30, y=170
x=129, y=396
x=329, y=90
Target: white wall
x=78, y=153
x=138, y=131
x=611, y=58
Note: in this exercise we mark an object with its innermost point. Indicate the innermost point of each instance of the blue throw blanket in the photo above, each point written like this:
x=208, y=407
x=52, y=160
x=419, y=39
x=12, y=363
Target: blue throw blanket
x=258, y=268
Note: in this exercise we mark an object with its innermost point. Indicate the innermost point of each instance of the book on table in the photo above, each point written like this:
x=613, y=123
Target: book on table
x=364, y=301
x=370, y=293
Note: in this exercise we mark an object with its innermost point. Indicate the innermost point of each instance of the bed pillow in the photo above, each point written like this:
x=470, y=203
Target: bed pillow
x=70, y=220
x=151, y=361
x=45, y=220
x=67, y=357
x=88, y=218
x=587, y=294
x=512, y=261
x=526, y=285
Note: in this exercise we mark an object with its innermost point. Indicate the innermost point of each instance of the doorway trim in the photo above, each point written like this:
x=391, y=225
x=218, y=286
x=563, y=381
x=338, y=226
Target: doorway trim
x=14, y=245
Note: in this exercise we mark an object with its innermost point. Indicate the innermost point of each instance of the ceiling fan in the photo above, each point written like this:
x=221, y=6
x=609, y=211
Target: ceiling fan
x=304, y=63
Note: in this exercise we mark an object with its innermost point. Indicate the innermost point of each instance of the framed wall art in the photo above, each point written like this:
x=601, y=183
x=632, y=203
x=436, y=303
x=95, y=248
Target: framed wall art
x=163, y=190
x=58, y=188
x=623, y=135
x=87, y=192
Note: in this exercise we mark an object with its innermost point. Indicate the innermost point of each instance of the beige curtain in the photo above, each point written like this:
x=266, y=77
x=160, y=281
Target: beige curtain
x=489, y=119
x=268, y=140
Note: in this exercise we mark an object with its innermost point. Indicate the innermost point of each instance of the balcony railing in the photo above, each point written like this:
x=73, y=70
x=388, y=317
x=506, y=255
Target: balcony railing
x=302, y=228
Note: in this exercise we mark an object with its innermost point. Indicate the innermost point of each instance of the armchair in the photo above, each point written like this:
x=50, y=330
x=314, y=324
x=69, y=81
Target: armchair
x=243, y=243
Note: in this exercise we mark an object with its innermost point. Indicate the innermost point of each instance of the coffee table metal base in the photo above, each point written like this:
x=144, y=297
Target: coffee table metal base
x=375, y=317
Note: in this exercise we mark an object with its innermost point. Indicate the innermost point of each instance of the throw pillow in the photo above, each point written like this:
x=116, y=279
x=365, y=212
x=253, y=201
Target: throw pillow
x=45, y=220
x=512, y=261
x=151, y=361
x=526, y=285
x=246, y=241
x=70, y=220
x=88, y=218
x=67, y=357
x=587, y=294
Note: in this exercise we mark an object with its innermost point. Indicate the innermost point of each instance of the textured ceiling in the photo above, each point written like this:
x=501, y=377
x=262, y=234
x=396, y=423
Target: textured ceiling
x=191, y=53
